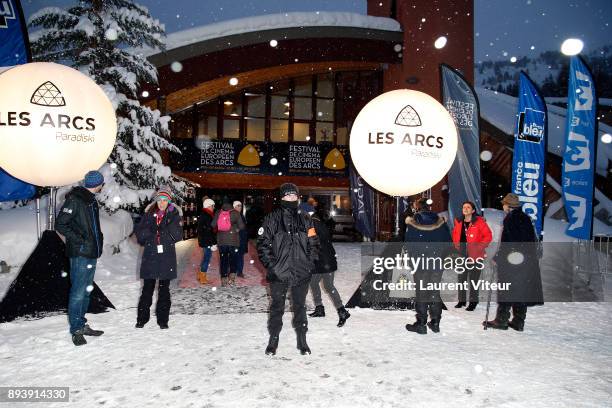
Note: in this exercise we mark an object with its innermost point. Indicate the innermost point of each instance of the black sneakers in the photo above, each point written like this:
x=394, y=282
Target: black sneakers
x=78, y=339
x=88, y=331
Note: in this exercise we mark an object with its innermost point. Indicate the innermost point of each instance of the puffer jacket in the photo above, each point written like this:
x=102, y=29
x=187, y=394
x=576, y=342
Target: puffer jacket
x=79, y=222
x=478, y=236
x=288, y=245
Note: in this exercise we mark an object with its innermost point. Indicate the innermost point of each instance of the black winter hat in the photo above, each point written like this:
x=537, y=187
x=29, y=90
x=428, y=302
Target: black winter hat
x=288, y=188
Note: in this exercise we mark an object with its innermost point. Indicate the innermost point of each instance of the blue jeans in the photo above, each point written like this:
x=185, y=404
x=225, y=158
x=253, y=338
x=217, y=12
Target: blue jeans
x=206, y=259
x=82, y=272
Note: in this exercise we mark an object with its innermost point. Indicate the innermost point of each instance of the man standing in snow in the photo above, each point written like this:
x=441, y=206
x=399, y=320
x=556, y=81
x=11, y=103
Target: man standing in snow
x=79, y=222
x=427, y=227
x=288, y=247
x=517, y=264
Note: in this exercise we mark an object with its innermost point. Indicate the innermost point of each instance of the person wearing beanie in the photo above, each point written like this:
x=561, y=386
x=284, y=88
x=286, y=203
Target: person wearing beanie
x=244, y=241
x=288, y=248
x=325, y=268
x=228, y=224
x=79, y=222
x=159, y=229
x=207, y=238
x=524, y=278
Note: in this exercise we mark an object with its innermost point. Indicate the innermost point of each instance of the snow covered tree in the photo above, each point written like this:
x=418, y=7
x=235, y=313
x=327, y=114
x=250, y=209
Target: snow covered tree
x=100, y=38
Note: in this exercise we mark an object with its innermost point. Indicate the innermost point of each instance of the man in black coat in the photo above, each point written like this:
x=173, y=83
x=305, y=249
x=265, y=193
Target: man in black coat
x=207, y=238
x=427, y=227
x=518, y=267
x=288, y=247
x=79, y=222
x=325, y=269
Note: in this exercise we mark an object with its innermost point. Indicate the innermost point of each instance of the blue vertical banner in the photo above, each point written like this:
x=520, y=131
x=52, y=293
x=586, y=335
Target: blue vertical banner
x=362, y=202
x=580, y=145
x=460, y=101
x=14, y=50
x=528, y=162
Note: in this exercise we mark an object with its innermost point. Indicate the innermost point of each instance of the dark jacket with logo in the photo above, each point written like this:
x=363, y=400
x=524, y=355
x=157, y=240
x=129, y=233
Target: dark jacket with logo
x=327, y=254
x=288, y=245
x=157, y=265
x=79, y=222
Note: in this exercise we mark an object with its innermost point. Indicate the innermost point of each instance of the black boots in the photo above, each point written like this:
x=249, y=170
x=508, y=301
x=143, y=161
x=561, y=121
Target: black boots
x=519, y=313
x=343, y=314
x=78, y=339
x=418, y=326
x=88, y=331
x=301, y=343
x=434, y=326
x=471, y=306
x=318, y=312
x=459, y=305
x=272, y=346
x=501, y=318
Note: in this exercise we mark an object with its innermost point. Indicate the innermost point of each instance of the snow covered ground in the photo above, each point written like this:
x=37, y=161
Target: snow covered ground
x=217, y=360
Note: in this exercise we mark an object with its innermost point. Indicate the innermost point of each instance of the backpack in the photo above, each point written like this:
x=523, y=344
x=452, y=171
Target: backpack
x=224, y=222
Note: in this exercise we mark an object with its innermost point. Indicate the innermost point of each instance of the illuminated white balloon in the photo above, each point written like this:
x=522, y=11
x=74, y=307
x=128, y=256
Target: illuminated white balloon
x=403, y=142
x=572, y=46
x=56, y=124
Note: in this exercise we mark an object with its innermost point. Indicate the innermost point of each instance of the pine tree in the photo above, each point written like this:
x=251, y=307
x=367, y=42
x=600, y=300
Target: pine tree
x=99, y=38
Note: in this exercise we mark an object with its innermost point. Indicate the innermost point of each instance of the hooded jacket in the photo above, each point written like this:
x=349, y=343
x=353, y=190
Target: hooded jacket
x=206, y=232
x=79, y=222
x=288, y=245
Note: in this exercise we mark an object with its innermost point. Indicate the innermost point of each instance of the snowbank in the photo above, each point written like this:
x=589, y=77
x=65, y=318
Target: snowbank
x=275, y=21
x=18, y=230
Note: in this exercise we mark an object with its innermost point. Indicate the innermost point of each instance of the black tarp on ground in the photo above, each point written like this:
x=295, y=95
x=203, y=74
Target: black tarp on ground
x=40, y=287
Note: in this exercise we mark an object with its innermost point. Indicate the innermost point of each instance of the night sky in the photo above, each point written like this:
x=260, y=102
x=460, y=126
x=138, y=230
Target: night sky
x=503, y=28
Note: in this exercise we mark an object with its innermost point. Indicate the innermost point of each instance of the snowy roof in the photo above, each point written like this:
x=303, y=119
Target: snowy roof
x=276, y=21
x=500, y=110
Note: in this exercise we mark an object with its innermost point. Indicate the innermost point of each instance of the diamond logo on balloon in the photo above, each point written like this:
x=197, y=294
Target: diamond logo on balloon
x=408, y=117
x=48, y=95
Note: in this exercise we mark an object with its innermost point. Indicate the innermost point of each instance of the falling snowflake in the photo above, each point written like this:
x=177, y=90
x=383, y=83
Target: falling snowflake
x=89, y=288
x=176, y=67
x=274, y=161
x=273, y=43
x=486, y=155
x=233, y=81
x=516, y=258
x=111, y=34
x=440, y=42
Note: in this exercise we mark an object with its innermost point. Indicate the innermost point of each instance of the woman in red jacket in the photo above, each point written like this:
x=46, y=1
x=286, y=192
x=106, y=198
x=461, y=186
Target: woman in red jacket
x=471, y=236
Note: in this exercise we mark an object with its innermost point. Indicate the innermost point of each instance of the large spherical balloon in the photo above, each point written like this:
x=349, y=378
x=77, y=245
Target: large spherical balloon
x=56, y=124
x=403, y=142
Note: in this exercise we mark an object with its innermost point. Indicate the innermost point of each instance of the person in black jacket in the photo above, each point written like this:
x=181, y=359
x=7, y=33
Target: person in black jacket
x=325, y=268
x=517, y=265
x=244, y=241
x=427, y=227
x=79, y=222
x=288, y=247
x=207, y=238
x=158, y=230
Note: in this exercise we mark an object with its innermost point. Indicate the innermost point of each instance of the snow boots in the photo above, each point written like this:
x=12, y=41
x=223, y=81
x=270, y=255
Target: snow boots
x=272, y=346
x=418, y=326
x=318, y=312
x=78, y=339
x=301, y=343
x=460, y=305
x=202, y=278
x=471, y=306
x=434, y=326
x=519, y=313
x=232, y=279
x=224, y=281
x=343, y=314
x=501, y=318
